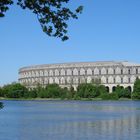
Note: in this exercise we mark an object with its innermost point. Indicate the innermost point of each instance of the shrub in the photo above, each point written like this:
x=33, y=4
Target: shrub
x=112, y=96
x=136, y=96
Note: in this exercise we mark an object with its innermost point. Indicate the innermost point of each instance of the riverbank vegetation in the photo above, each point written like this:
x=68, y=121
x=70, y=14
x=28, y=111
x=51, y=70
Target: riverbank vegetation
x=85, y=91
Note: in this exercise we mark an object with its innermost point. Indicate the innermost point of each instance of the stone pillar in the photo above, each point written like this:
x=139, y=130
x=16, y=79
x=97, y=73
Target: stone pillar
x=110, y=89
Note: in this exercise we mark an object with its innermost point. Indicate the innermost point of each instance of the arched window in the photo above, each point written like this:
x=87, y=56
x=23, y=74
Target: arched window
x=114, y=89
x=107, y=89
x=129, y=88
x=89, y=71
x=69, y=72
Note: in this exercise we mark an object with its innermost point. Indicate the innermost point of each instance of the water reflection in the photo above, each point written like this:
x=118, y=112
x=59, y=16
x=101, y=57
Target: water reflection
x=70, y=120
x=1, y=105
x=117, y=129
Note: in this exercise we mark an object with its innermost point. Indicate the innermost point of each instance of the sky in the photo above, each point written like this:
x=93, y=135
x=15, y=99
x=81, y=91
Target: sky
x=107, y=30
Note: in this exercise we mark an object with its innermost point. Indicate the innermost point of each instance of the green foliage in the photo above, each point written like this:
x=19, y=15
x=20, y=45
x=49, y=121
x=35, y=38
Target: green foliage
x=127, y=93
x=30, y=93
x=84, y=91
x=112, y=96
x=122, y=92
x=53, y=91
x=1, y=92
x=90, y=90
x=14, y=91
x=119, y=90
x=4, y=6
x=136, y=96
x=65, y=93
x=137, y=86
x=136, y=91
x=52, y=14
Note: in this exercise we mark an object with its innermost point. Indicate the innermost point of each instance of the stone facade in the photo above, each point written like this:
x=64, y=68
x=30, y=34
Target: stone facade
x=109, y=74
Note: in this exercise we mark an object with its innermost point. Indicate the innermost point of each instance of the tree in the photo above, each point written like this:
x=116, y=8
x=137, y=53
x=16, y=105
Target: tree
x=15, y=90
x=120, y=91
x=89, y=90
x=52, y=14
x=127, y=93
x=1, y=92
x=136, y=91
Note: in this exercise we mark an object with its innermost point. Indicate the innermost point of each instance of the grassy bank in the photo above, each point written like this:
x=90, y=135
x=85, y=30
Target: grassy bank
x=66, y=99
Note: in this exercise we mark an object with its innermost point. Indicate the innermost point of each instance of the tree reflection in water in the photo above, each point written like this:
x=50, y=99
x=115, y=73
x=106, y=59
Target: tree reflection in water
x=1, y=105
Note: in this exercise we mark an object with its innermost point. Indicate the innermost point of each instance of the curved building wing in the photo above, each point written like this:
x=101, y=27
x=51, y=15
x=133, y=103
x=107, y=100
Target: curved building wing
x=108, y=73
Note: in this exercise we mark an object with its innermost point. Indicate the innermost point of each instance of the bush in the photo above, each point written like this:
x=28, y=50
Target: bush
x=15, y=90
x=90, y=90
x=1, y=92
x=136, y=96
x=112, y=96
x=136, y=92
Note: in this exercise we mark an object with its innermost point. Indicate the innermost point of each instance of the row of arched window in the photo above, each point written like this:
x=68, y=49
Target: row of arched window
x=82, y=71
x=76, y=80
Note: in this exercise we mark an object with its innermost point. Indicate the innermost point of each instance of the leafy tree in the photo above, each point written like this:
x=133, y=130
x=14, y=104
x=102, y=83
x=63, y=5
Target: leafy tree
x=127, y=93
x=71, y=92
x=52, y=14
x=101, y=90
x=4, y=6
x=1, y=92
x=53, y=91
x=90, y=90
x=81, y=89
x=32, y=93
x=65, y=94
x=120, y=91
x=39, y=90
x=15, y=90
x=136, y=91
x=137, y=86
x=112, y=96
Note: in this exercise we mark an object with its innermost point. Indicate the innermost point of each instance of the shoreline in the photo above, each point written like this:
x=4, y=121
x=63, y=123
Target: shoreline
x=59, y=99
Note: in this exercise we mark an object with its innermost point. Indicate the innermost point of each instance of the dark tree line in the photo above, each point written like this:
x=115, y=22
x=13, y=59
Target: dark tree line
x=52, y=14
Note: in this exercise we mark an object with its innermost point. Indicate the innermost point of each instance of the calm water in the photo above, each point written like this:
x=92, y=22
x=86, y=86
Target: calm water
x=70, y=120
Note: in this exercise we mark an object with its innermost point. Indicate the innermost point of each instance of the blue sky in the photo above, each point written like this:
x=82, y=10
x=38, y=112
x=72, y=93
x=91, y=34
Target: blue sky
x=107, y=30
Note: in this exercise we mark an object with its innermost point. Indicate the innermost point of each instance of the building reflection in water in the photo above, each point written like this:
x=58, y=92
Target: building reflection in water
x=70, y=121
x=125, y=128
x=113, y=124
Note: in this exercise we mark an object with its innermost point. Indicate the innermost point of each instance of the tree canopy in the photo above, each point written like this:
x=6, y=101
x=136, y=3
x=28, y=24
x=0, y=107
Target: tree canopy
x=52, y=14
x=136, y=91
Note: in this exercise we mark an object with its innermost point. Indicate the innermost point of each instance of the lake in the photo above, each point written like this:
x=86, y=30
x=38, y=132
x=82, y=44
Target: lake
x=70, y=120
